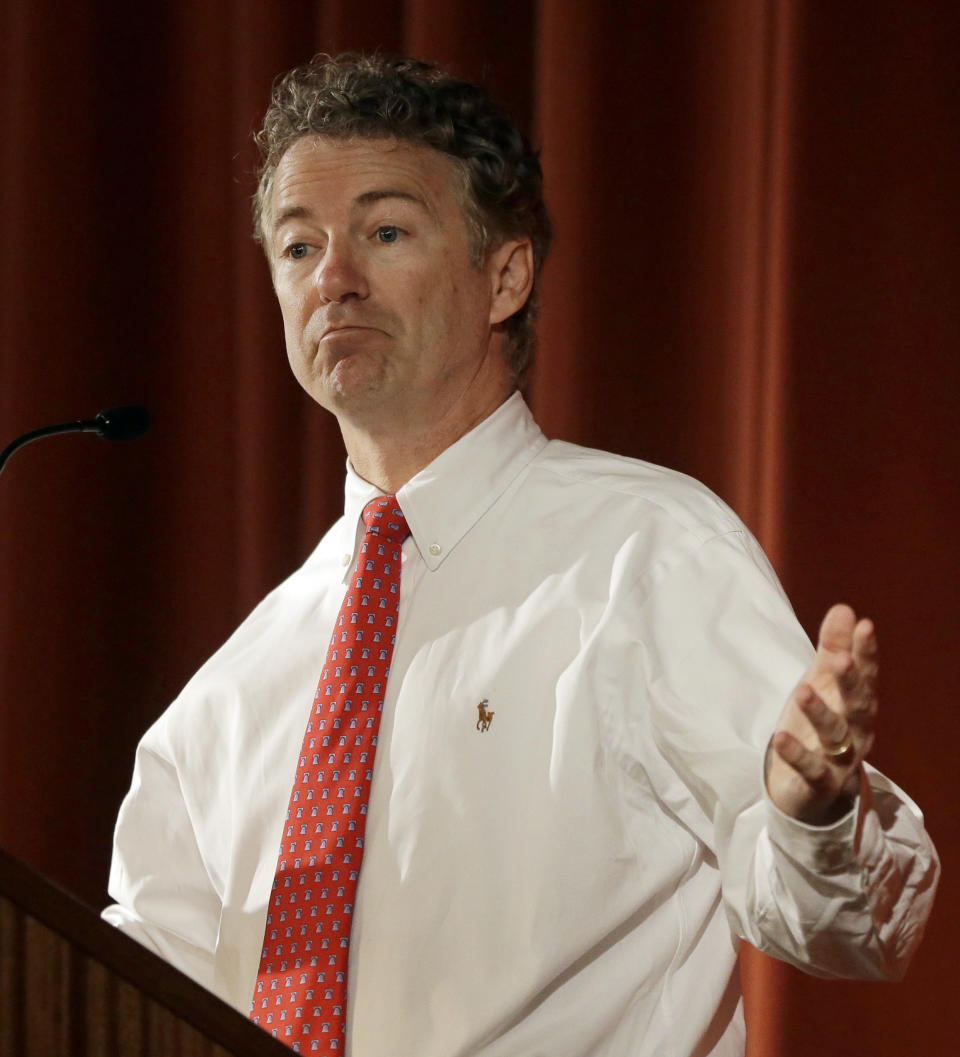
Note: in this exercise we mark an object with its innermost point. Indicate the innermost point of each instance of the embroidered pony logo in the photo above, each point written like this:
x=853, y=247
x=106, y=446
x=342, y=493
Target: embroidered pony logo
x=485, y=718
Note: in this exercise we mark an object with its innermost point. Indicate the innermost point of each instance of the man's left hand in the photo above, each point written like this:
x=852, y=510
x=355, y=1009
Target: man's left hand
x=826, y=729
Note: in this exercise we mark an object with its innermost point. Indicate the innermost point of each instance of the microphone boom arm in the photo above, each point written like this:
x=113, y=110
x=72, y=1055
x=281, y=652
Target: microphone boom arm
x=117, y=423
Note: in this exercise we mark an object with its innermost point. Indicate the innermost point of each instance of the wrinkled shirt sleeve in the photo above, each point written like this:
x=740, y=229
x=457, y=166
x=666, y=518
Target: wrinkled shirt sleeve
x=164, y=895
x=846, y=900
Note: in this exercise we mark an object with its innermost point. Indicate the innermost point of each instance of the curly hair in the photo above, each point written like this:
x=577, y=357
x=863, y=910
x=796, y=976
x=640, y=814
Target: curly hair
x=371, y=96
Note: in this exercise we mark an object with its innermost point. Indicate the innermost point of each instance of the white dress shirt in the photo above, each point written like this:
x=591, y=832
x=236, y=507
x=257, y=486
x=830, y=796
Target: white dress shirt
x=570, y=881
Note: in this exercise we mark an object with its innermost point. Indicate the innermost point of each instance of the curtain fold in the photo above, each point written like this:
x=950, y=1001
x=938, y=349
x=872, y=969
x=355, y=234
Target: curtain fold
x=754, y=281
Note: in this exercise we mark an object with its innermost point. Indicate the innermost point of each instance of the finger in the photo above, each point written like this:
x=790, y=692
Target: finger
x=860, y=697
x=812, y=767
x=846, y=672
x=834, y=677
x=865, y=649
x=836, y=629
x=831, y=727
x=834, y=665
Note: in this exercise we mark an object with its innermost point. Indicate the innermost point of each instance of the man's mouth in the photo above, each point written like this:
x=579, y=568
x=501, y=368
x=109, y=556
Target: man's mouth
x=342, y=329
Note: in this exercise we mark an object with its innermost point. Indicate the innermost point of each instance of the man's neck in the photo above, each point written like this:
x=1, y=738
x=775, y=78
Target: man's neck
x=391, y=457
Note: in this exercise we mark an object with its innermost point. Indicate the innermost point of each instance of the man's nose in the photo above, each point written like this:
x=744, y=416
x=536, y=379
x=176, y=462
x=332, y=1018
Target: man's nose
x=341, y=275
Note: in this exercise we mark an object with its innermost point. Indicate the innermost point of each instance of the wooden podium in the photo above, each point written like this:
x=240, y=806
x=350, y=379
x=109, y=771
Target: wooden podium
x=73, y=986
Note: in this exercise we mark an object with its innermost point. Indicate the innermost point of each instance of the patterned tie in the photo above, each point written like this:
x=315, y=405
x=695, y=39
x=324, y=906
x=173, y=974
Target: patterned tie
x=301, y=993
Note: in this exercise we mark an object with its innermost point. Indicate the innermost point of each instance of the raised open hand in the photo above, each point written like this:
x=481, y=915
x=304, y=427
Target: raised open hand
x=827, y=727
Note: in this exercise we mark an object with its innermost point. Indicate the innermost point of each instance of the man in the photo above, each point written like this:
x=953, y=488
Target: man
x=604, y=750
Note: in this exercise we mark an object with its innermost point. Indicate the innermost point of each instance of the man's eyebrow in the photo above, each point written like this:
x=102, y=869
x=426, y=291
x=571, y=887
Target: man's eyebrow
x=370, y=197
x=367, y=198
x=290, y=213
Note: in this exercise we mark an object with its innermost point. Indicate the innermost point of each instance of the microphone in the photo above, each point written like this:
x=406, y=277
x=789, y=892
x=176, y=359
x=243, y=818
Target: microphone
x=116, y=423
x=122, y=423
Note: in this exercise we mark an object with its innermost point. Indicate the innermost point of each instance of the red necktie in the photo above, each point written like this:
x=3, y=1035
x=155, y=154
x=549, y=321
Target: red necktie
x=301, y=993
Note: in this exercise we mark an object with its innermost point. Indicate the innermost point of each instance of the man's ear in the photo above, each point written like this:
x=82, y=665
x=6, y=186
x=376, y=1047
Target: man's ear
x=511, y=276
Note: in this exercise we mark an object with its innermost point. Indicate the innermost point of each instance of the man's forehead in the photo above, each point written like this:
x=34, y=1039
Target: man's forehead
x=358, y=166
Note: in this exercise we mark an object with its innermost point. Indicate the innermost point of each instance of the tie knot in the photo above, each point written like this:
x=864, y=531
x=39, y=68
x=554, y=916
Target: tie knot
x=383, y=517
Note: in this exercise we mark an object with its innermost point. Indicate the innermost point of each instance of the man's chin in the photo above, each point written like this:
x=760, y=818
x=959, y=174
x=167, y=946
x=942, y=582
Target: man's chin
x=353, y=383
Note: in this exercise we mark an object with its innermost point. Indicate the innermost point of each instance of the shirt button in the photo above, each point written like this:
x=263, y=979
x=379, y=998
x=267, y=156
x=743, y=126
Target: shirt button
x=346, y=559
x=435, y=549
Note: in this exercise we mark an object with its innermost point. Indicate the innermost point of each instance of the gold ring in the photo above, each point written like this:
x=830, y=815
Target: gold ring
x=839, y=750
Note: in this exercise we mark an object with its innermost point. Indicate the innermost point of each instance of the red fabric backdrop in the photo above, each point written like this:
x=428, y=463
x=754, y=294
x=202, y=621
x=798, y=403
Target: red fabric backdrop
x=754, y=281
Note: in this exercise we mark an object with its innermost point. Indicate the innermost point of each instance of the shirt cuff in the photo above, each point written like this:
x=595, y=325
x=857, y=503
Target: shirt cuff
x=823, y=849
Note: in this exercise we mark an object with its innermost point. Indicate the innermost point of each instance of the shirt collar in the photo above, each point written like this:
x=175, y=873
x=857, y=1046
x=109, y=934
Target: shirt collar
x=450, y=495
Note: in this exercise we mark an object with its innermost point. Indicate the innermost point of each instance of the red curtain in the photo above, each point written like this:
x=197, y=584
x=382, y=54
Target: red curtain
x=754, y=280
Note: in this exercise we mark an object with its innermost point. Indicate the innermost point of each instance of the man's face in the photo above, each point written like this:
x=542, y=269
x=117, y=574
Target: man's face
x=387, y=321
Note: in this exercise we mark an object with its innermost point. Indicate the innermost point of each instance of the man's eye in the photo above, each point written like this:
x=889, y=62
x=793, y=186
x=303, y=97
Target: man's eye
x=388, y=233
x=297, y=251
